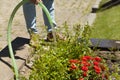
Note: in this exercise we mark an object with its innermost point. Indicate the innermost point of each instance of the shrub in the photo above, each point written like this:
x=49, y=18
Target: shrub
x=53, y=63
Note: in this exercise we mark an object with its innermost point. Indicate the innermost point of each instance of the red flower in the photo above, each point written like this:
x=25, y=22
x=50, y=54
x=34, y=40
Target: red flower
x=97, y=59
x=85, y=63
x=84, y=58
x=73, y=66
x=88, y=57
x=84, y=68
x=96, y=63
x=97, y=69
x=84, y=74
x=81, y=79
x=74, y=61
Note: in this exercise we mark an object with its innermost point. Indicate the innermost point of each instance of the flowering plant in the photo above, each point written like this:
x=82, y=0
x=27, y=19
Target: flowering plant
x=87, y=68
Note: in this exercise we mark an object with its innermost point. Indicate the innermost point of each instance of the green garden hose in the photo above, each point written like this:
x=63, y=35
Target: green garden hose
x=9, y=32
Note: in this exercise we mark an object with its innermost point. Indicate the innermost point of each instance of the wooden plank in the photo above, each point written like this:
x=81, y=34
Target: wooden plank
x=105, y=44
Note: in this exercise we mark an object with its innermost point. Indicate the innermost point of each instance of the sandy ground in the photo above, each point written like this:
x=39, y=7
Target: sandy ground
x=72, y=11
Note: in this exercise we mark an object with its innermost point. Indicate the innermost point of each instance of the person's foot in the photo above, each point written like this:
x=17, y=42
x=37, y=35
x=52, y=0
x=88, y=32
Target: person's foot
x=58, y=36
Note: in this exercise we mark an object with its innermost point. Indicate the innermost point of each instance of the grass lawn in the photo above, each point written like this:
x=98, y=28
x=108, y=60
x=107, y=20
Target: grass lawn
x=107, y=23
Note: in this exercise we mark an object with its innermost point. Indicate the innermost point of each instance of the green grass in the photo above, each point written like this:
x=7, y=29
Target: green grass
x=107, y=23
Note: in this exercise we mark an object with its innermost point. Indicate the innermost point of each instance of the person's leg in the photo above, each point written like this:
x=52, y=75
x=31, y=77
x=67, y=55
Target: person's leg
x=30, y=17
x=50, y=6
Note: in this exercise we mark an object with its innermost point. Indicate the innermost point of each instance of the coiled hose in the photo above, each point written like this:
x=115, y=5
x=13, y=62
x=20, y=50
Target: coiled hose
x=9, y=32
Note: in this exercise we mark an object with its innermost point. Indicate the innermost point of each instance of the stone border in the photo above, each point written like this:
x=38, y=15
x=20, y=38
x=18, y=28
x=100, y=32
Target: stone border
x=92, y=16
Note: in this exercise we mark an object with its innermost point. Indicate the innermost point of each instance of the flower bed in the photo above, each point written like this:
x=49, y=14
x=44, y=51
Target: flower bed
x=88, y=67
x=69, y=60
